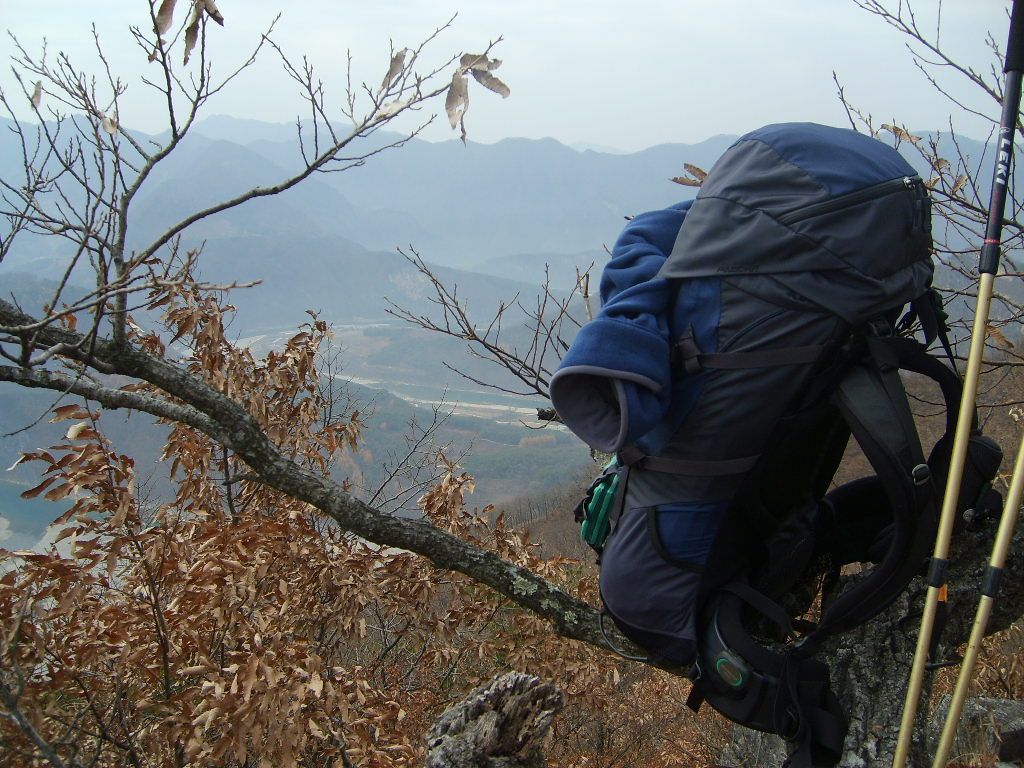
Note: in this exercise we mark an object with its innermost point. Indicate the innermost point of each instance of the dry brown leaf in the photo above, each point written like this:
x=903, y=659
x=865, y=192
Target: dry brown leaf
x=37, y=94
x=457, y=101
x=999, y=337
x=695, y=179
x=960, y=183
x=75, y=430
x=165, y=16
x=391, y=108
x=900, y=133
x=60, y=492
x=395, y=69
x=478, y=61
x=489, y=81
x=940, y=163
x=108, y=124
x=68, y=412
x=31, y=493
x=698, y=173
x=211, y=8
x=123, y=508
x=192, y=33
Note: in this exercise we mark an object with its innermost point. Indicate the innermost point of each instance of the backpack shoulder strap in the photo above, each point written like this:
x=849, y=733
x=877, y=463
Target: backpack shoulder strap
x=910, y=355
x=873, y=402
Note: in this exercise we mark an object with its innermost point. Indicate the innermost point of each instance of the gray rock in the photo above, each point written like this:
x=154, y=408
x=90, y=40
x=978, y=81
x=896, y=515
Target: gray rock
x=499, y=725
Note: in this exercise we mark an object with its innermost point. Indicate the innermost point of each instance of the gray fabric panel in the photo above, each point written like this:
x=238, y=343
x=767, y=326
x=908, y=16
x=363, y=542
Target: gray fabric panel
x=873, y=238
x=858, y=267
x=754, y=173
x=857, y=297
x=751, y=400
x=850, y=296
x=651, y=489
x=867, y=248
x=721, y=238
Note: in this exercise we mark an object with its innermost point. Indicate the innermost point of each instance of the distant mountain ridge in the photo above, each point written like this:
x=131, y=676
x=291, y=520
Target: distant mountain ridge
x=505, y=214
x=462, y=204
x=457, y=205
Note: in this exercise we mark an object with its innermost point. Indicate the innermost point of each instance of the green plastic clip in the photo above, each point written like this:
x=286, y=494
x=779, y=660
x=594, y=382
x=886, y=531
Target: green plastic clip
x=598, y=507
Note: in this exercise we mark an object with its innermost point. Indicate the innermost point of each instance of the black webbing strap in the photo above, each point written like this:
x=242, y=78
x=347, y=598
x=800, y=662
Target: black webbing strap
x=620, y=495
x=694, y=360
x=632, y=456
x=712, y=468
x=763, y=605
x=695, y=699
x=928, y=309
x=822, y=723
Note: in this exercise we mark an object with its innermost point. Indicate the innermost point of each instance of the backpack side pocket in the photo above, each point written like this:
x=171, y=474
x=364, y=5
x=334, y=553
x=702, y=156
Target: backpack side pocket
x=651, y=573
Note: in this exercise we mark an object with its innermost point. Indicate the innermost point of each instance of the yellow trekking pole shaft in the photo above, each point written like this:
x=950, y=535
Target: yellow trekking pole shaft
x=988, y=266
x=936, y=576
x=989, y=588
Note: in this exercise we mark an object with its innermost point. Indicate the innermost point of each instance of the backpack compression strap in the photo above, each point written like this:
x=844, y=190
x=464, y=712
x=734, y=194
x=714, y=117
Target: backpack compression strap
x=633, y=456
x=694, y=360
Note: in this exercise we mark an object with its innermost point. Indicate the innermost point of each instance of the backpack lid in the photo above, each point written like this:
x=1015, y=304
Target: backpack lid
x=834, y=218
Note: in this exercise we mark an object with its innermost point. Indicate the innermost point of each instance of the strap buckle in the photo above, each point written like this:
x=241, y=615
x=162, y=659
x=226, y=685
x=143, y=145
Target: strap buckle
x=921, y=474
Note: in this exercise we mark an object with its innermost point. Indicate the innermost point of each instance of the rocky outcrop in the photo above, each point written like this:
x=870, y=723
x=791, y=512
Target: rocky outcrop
x=499, y=725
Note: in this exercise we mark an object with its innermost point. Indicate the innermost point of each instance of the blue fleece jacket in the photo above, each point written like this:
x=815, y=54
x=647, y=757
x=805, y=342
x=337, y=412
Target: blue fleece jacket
x=614, y=384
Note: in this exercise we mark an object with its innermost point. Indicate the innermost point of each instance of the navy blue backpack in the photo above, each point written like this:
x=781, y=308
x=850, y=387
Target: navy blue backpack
x=743, y=338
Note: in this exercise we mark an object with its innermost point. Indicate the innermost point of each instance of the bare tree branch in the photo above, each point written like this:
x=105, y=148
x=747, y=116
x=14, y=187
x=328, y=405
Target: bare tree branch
x=548, y=323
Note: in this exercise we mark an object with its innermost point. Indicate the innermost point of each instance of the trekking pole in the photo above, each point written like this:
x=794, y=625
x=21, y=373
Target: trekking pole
x=989, y=587
x=987, y=267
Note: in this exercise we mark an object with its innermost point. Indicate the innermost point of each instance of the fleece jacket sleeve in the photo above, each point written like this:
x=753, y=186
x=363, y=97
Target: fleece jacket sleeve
x=612, y=386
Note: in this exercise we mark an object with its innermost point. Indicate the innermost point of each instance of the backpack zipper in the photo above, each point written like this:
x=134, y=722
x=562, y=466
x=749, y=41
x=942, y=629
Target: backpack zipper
x=849, y=199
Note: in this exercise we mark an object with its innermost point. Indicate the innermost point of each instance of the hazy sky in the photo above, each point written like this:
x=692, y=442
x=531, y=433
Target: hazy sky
x=626, y=75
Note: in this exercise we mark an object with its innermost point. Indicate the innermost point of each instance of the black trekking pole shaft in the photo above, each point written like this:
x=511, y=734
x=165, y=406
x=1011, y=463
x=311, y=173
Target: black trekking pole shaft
x=991, y=250
x=988, y=265
x=1012, y=68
